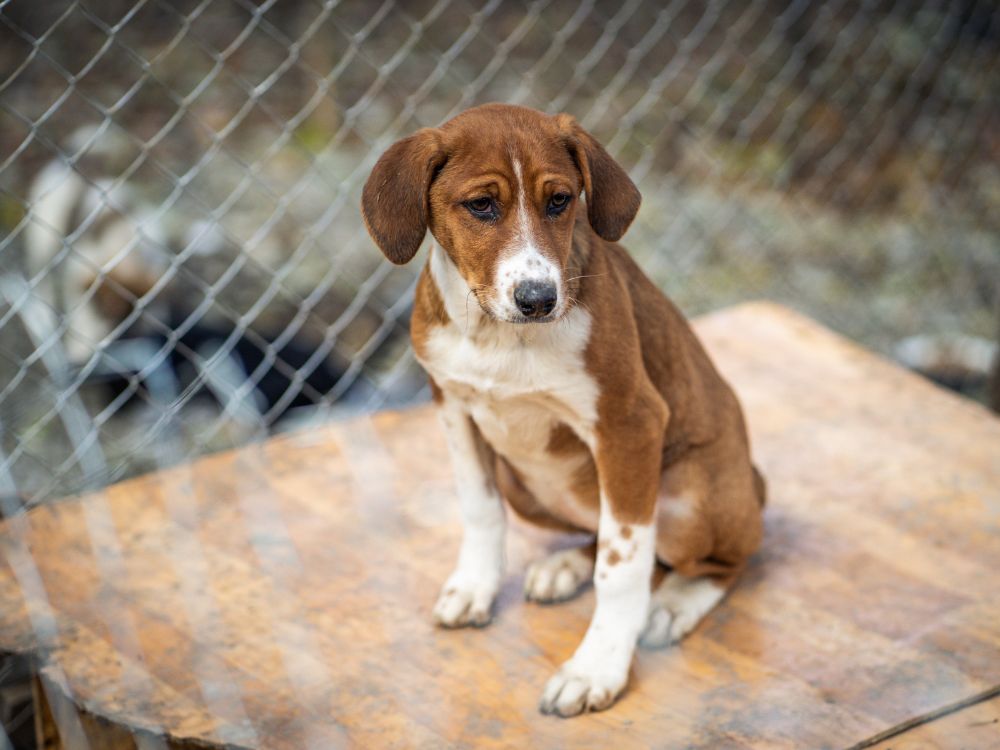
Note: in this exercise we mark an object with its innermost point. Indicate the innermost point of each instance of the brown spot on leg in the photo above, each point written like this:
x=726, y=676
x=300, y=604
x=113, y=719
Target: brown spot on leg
x=626, y=532
x=613, y=557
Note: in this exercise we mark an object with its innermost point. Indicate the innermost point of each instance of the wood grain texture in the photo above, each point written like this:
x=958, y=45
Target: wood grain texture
x=279, y=596
x=973, y=728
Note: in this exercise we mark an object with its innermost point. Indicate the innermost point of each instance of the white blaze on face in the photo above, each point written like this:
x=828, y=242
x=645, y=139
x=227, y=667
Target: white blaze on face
x=522, y=261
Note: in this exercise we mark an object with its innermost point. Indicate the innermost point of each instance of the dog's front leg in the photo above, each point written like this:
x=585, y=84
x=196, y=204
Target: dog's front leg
x=467, y=596
x=628, y=463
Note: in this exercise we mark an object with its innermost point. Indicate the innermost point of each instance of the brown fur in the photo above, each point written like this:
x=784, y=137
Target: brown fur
x=669, y=429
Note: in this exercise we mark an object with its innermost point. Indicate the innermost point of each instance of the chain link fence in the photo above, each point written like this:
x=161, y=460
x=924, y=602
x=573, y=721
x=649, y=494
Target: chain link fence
x=183, y=266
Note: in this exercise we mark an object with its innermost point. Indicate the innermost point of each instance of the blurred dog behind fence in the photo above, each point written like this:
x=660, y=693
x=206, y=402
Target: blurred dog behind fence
x=100, y=259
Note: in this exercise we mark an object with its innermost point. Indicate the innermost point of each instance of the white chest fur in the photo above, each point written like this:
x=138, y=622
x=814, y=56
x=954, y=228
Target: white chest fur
x=517, y=375
x=517, y=382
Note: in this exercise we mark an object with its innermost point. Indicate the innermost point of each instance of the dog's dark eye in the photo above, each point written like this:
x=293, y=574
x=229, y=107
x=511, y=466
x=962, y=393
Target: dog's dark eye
x=557, y=204
x=482, y=208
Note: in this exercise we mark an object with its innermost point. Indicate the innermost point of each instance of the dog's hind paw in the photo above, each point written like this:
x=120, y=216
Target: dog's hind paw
x=677, y=607
x=559, y=576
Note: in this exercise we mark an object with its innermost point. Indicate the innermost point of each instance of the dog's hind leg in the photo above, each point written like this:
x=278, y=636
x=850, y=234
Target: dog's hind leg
x=708, y=524
x=562, y=574
x=525, y=504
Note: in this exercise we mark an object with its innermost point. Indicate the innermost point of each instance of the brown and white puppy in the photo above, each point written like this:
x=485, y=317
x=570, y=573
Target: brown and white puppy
x=568, y=386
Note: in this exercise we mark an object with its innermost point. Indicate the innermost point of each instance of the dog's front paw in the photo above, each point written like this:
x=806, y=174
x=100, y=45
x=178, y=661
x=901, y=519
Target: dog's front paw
x=576, y=688
x=559, y=576
x=464, y=602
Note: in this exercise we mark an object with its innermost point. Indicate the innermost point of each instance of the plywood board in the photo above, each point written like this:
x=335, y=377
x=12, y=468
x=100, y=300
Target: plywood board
x=279, y=596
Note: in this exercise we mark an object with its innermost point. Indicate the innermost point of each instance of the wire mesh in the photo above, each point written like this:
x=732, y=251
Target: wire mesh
x=183, y=266
x=182, y=262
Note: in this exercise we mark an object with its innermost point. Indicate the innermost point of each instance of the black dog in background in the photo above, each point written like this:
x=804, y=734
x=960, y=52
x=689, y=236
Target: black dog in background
x=208, y=360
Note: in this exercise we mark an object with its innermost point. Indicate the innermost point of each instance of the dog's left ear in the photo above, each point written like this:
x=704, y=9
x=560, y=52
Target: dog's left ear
x=394, y=201
x=612, y=198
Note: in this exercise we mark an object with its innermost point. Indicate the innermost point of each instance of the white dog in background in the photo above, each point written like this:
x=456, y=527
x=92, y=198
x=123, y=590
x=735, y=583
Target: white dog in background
x=91, y=248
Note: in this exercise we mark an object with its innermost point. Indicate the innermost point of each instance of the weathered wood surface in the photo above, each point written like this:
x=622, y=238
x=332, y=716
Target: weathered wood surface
x=974, y=728
x=279, y=596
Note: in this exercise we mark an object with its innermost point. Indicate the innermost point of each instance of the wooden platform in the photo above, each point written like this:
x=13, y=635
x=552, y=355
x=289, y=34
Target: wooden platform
x=279, y=596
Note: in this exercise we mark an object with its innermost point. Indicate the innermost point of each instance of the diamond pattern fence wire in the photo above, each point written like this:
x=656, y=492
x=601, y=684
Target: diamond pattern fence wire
x=183, y=266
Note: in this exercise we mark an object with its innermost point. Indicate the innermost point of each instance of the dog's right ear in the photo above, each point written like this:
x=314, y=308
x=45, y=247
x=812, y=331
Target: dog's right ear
x=394, y=201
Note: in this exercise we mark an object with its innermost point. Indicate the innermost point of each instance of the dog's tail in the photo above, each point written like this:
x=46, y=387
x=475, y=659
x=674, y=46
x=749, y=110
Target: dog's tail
x=760, y=486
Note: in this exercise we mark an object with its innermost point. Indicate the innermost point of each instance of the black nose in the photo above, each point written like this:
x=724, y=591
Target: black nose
x=535, y=299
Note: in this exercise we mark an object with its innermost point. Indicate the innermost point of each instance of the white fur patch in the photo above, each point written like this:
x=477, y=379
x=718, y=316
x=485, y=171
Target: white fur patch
x=518, y=382
x=677, y=607
x=523, y=261
x=114, y=235
x=598, y=671
x=463, y=310
x=679, y=508
x=505, y=368
x=558, y=576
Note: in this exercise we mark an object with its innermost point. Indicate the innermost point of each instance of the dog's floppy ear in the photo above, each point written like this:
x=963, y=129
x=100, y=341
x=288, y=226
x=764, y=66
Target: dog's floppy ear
x=394, y=201
x=612, y=198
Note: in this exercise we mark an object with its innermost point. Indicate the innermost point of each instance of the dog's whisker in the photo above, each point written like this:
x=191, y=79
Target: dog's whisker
x=572, y=301
x=473, y=291
x=585, y=276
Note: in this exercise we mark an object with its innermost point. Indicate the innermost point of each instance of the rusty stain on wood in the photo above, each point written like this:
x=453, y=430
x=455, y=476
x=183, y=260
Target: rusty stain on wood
x=279, y=596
